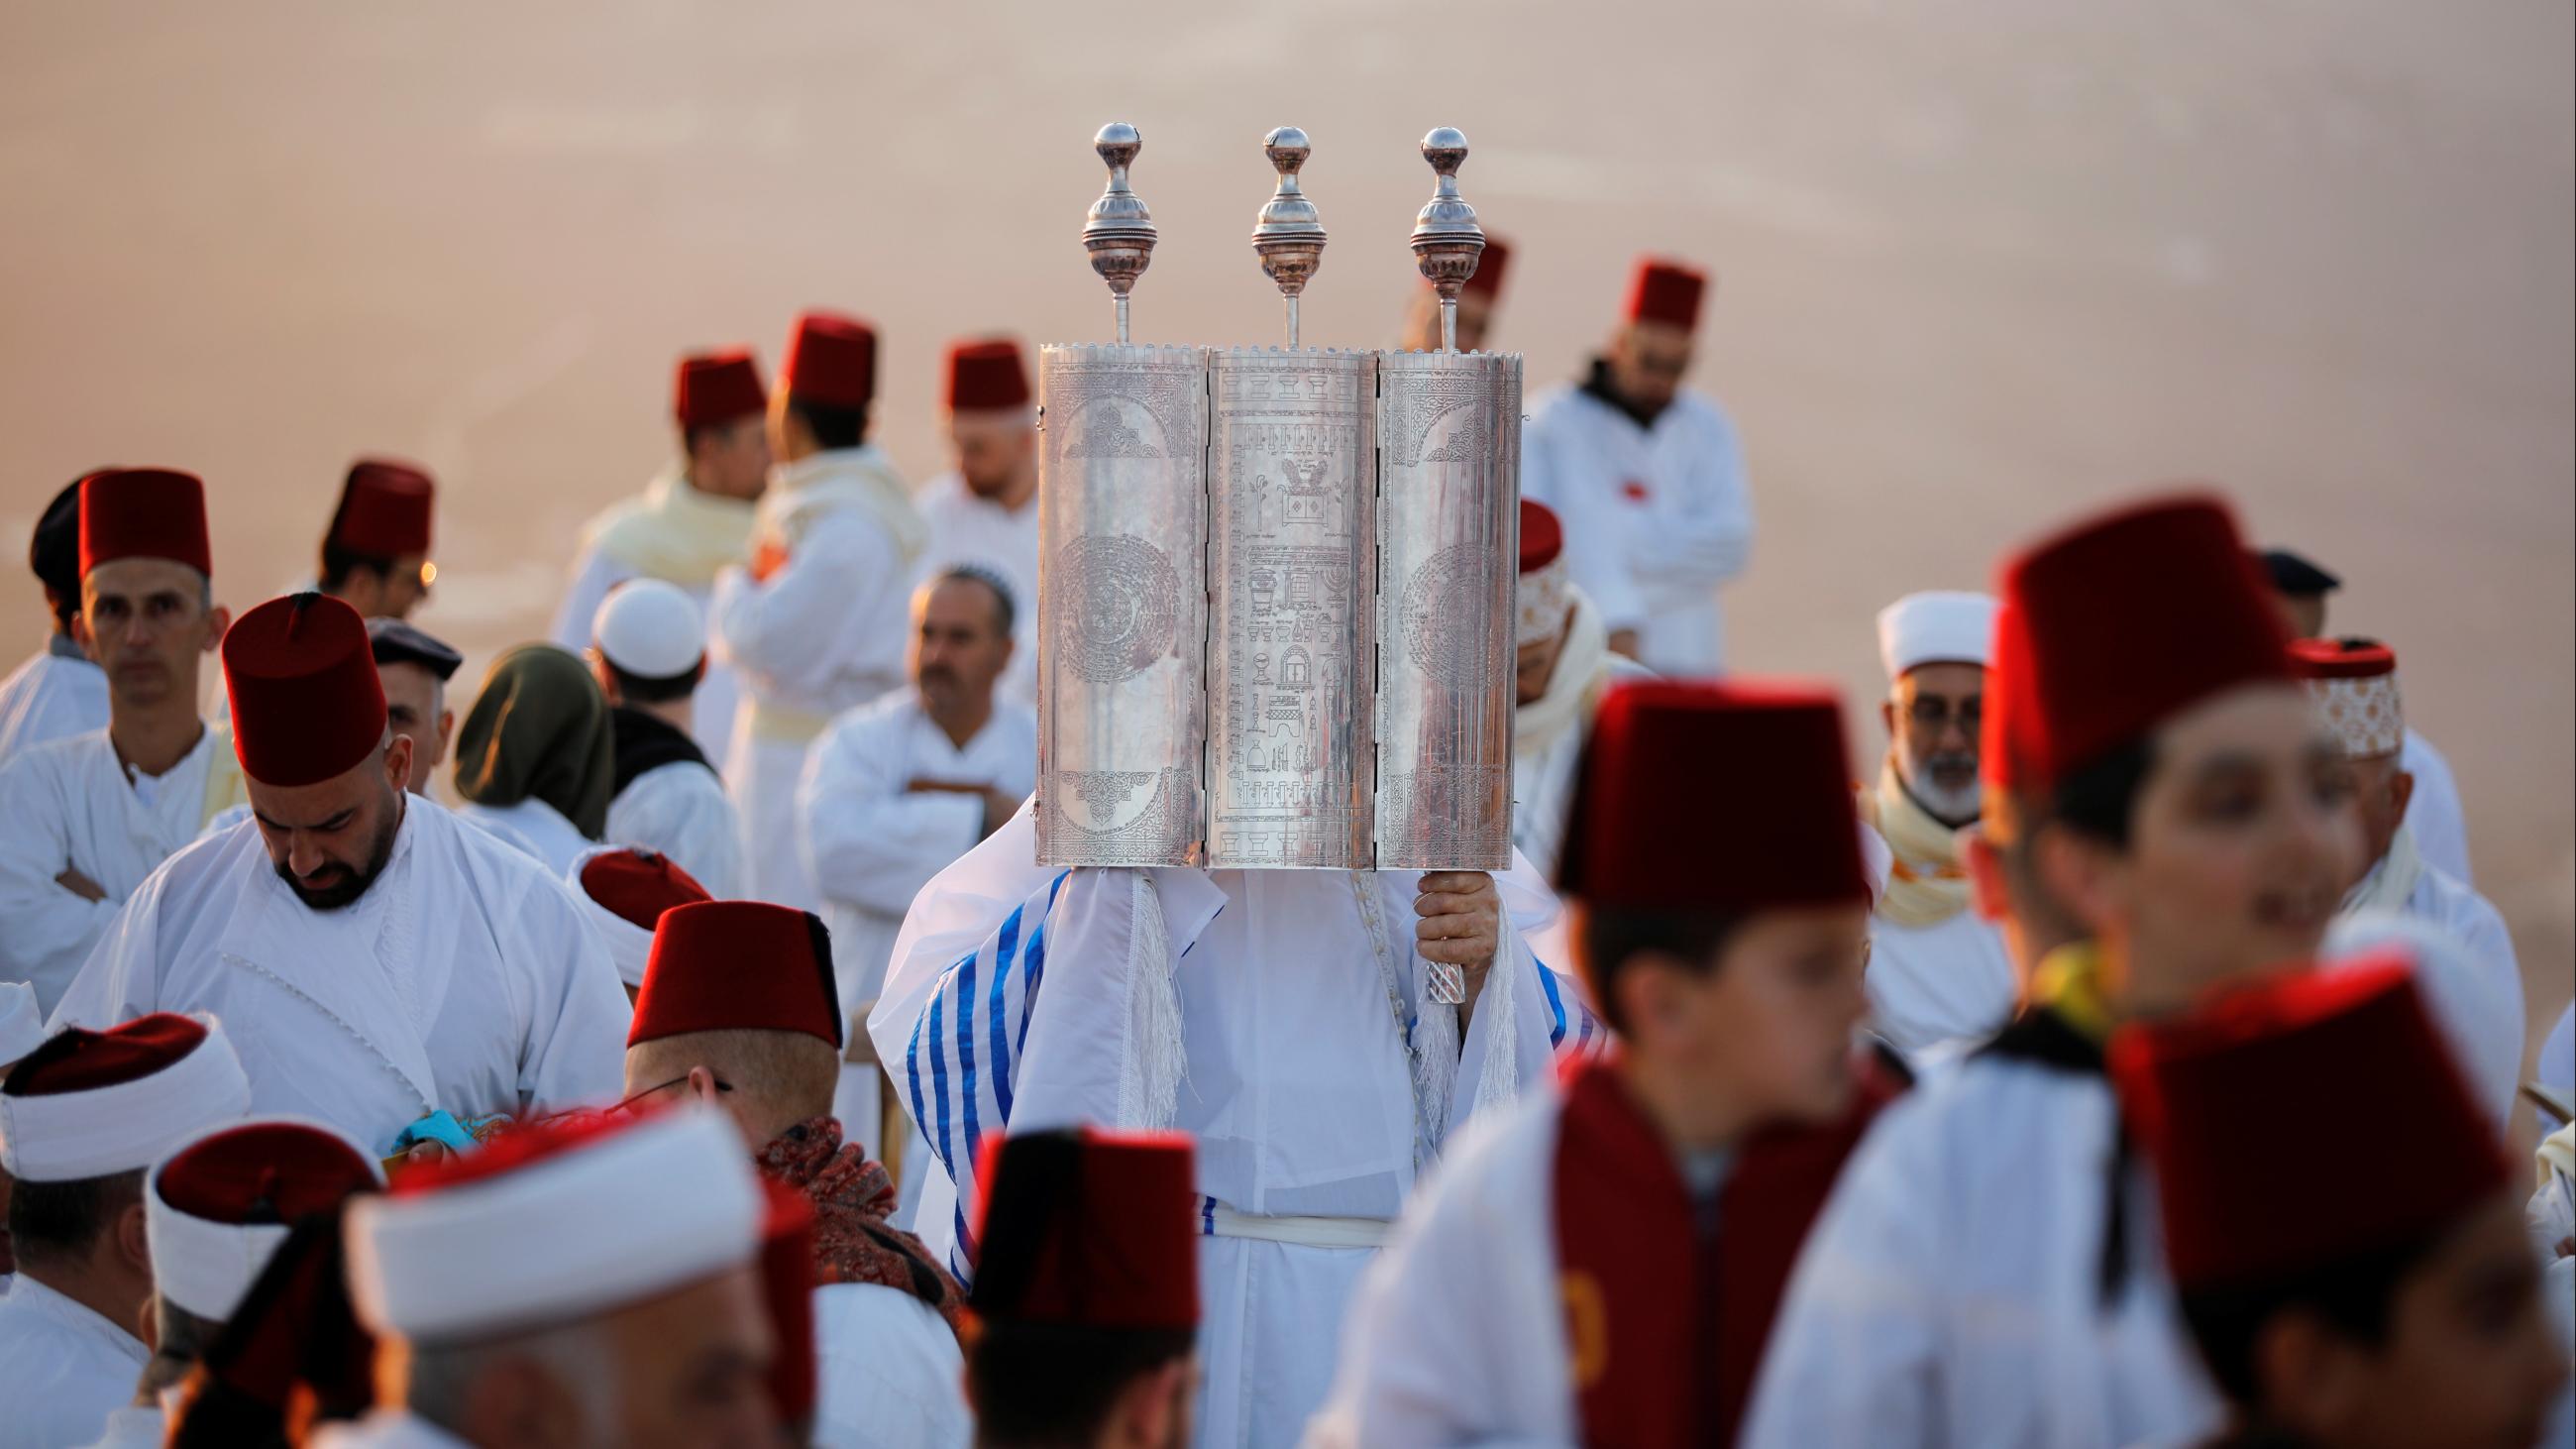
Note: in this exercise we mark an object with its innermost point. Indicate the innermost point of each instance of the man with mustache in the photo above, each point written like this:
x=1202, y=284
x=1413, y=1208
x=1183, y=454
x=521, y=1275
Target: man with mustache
x=986, y=512
x=898, y=789
x=1937, y=970
x=383, y=959
x=91, y=815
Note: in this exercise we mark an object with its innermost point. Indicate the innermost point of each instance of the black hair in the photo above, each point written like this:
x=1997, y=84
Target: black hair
x=1006, y=609
x=652, y=689
x=53, y=555
x=1613, y=935
x=2100, y=798
x=339, y=562
x=55, y=1222
x=1053, y=1384
x=2353, y=1295
x=833, y=427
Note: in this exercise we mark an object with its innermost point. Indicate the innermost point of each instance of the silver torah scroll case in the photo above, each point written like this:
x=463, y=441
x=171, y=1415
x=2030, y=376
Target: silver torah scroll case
x=1277, y=583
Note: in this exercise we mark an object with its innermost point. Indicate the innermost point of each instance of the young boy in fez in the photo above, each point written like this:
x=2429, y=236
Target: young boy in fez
x=1086, y=1291
x=1603, y=1269
x=2399, y=1306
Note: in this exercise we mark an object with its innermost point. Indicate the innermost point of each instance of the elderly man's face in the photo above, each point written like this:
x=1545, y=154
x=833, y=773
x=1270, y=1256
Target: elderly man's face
x=1535, y=667
x=330, y=840
x=1933, y=715
x=2381, y=791
x=692, y=1369
x=959, y=646
x=416, y=706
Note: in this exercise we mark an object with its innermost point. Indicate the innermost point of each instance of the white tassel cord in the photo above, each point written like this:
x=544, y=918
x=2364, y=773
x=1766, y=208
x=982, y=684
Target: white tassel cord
x=1154, y=1059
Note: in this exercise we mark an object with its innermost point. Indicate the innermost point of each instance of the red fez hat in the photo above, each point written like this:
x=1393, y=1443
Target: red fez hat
x=714, y=388
x=384, y=509
x=2317, y=1076
x=1542, y=537
x=305, y=698
x=2342, y=658
x=291, y=1350
x=1487, y=280
x=1089, y=1229
x=143, y=513
x=1670, y=761
x=1666, y=291
x=738, y=965
x=787, y=1287
x=263, y=1172
x=638, y=885
x=2002, y=734
x=2126, y=620
x=831, y=360
x=987, y=375
x=77, y=1059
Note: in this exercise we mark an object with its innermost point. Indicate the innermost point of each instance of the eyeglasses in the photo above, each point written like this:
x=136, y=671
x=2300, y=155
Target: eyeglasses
x=1931, y=713
x=628, y=1104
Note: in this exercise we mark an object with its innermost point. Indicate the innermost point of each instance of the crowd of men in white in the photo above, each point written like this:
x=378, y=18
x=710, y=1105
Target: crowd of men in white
x=773, y=773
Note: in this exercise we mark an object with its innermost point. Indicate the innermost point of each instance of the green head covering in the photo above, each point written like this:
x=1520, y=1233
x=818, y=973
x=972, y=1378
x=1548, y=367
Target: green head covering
x=539, y=730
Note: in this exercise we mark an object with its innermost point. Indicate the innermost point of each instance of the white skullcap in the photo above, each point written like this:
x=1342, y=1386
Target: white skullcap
x=205, y=1265
x=116, y=1101
x=22, y=1023
x=1939, y=626
x=584, y=1226
x=2468, y=1000
x=650, y=629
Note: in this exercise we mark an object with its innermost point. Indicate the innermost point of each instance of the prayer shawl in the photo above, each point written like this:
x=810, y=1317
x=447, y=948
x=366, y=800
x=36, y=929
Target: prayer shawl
x=1664, y=1326
x=674, y=532
x=1927, y=885
x=540, y=729
x=852, y=1198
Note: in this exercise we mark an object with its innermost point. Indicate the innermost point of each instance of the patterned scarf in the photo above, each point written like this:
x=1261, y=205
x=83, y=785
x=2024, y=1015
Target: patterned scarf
x=851, y=1197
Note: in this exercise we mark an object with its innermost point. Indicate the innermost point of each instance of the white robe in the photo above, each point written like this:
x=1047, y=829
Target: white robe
x=57, y=692
x=681, y=810
x=465, y=979
x=1950, y=1293
x=1457, y=1334
x=386, y=1429
x=535, y=827
x=134, y=1427
x=823, y=634
x=63, y=1368
x=1296, y=991
x=1927, y=985
x=888, y=1372
x=2434, y=814
x=70, y=804
x=1655, y=519
x=967, y=528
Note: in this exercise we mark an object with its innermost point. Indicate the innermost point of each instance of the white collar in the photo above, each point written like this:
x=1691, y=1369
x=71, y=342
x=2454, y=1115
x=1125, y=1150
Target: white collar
x=74, y=1316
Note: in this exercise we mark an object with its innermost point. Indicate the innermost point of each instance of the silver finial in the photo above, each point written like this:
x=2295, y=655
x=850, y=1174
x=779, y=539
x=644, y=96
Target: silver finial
x=1119, y=232
x=1446, y=240
x=1288, y=234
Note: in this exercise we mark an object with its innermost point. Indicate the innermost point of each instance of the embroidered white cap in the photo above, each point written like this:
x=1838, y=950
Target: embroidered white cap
x=93, y=1103
x=650, y=629
x=219, y=1206
x=22, y=1022
x=1938, y=626
x=553, y=1223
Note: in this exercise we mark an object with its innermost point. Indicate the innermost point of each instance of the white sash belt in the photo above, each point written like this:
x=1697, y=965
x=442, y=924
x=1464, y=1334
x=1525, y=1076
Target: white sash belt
x=1216, y=1220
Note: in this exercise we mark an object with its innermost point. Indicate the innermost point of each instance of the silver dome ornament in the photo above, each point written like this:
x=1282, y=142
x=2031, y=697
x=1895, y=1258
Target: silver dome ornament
x=1447, y=242
x=1119, y=231
x=1289, y=233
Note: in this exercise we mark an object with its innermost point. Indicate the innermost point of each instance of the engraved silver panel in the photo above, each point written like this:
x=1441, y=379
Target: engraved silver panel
x=1122, y=489
x=1292, y=525
x=1449, y=436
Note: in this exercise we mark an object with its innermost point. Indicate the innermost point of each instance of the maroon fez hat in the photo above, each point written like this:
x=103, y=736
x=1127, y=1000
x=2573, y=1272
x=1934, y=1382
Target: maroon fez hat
x=715, y=388
x=831, y=360
x=1084, y=1228
x=143, y=513
x=1666, y=291
x=306, y=701
x=738, y=965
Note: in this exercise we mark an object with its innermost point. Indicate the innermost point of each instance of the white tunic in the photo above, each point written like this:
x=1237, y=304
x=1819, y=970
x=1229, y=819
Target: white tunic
x=466, y=978
x=135, y=1427
x=822, y=634
x=1457, y=1335
x=681, y=810
x=63, y=1368
x=1296, y=993
x=71, y=804
x=57, y=692
x=1950, y=1293
x=1927, y=985
x=888, y=1372
x=387, y=1429
x=535, y=827
x=1655, y=518
x=966, y=527
x=2434, y=814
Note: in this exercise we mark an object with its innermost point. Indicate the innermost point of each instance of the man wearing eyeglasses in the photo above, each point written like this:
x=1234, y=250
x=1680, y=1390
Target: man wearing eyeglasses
x=1938, y=970
x=1649, y=479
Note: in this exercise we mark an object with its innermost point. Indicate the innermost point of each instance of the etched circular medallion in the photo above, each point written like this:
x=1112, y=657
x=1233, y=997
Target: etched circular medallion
x=1119, y=605
x=1444, y=614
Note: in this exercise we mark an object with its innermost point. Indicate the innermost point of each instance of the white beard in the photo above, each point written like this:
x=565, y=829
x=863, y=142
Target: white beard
x=1961, y=804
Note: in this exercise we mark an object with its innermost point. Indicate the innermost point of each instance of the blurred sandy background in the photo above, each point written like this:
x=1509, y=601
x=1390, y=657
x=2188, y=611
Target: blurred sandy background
x=1981, y=264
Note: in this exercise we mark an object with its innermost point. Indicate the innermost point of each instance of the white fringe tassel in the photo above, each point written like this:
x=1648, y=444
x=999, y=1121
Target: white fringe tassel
x=1150, y=1069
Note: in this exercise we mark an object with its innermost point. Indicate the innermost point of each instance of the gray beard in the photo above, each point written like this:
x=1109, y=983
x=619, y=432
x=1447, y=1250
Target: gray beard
x=1950, y=807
